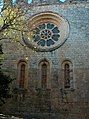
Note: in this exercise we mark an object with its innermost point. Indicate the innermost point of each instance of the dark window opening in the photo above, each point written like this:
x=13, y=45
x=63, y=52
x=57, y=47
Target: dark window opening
x=44, y=76
x=22, y=76
x=66, y=76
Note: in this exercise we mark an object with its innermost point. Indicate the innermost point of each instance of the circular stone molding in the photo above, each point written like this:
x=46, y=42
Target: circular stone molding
x=47, y=32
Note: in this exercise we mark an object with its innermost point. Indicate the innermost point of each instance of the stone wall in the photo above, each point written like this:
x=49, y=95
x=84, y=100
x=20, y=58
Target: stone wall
x=55, y=102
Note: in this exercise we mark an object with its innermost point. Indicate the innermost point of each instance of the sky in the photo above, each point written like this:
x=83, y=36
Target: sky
x=59, y=0
x=1, y=4
x=29, y=1
x=62, y=0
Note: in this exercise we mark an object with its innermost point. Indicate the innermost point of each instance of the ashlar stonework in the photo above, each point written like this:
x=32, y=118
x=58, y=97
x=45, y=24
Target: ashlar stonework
x=51, y=84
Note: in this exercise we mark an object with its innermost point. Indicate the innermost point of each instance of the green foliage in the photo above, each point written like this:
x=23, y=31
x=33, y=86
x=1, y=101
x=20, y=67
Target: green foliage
x=12, y=22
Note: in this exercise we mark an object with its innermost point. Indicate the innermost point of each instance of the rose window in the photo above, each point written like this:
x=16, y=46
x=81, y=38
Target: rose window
x=46, y=34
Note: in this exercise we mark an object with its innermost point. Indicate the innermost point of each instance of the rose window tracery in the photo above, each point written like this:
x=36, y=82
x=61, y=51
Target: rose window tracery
x=46, y=34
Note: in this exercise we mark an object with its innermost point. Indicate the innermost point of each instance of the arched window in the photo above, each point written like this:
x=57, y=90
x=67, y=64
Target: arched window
x=44, y=75
x=22, y=76
x=67, y=75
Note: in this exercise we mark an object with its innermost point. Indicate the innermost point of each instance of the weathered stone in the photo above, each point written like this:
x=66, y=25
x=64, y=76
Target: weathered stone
x=55, y=102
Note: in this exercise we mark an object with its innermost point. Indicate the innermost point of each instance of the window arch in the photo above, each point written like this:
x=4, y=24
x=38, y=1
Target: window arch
x=44, y=74
x=67, y=74
x=22, y=74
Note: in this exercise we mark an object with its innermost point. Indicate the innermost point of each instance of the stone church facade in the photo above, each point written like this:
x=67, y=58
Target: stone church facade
x=52, y=70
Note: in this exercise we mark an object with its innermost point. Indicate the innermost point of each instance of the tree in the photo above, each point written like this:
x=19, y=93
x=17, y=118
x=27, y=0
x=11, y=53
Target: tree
x=11, y=25
x=4, y=83
x=12, y=22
